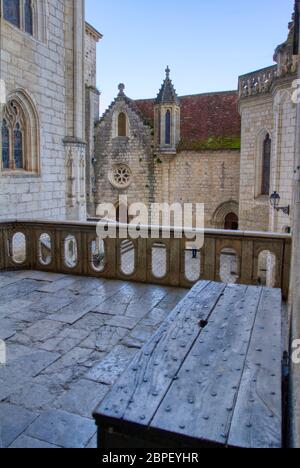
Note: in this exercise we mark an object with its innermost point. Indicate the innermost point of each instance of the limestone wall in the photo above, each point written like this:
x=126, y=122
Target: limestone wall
x=38, y=67
x=272, y=113
x=134, y=151
x=48, y=67
x=211, y=178
x=257, y=120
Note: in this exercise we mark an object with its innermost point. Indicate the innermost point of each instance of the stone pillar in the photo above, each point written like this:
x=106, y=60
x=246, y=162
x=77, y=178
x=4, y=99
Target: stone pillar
x=75, y=146
x=295, y=290
x=91, y=115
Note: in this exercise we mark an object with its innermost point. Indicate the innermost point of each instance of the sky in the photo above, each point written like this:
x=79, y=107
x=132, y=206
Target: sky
x=206, y=43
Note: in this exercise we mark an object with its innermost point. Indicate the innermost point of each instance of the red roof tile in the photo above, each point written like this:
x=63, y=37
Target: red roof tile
x=203, y=115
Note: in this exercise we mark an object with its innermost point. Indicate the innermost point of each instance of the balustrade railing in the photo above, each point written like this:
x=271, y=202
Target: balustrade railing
x=74, y=248
x=257, y=82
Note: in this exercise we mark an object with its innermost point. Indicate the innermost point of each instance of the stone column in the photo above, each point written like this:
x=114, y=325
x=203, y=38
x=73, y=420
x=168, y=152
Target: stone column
x=295, y=290
x=75, y=146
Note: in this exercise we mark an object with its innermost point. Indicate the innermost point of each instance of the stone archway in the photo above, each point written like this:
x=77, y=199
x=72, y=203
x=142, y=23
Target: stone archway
x=222, y=214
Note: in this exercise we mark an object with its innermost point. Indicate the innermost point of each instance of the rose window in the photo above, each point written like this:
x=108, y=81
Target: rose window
x=120, y=176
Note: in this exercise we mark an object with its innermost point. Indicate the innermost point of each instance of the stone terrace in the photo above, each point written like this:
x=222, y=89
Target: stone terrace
x=68, y=339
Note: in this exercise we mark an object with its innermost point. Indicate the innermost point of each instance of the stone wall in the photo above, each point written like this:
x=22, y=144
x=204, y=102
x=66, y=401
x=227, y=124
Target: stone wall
x=209, y=177
x=134, y=151
x=273, y=113
x=49, y=68
x=38, y=67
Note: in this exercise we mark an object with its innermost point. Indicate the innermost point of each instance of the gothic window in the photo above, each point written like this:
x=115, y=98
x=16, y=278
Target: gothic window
x=122, y=125
x=266, y=165
x=11, y=11
x=19, y=135
x=28, y=17
x=20, y=13
x=5, y=145
x=168, y=127
x=18, y=147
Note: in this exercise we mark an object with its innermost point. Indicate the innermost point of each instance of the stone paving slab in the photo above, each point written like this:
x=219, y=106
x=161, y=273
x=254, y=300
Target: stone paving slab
x=14, y=420
x=112, y=367
x=68, y=339
x=63, y=429
x=25, y=442
x=82, y=398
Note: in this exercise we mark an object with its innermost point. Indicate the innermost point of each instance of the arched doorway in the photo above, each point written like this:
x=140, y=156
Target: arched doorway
x=231, y=222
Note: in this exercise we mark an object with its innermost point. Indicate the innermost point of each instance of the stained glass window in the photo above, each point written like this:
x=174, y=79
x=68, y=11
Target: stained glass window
x=5, y=145
x=11, y=11
x=168, y=128
x=28, y=17
x=18, y=147
x=266, y=169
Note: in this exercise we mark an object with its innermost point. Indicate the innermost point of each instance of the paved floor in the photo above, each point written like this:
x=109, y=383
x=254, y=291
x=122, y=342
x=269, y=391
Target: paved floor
x=67, y=341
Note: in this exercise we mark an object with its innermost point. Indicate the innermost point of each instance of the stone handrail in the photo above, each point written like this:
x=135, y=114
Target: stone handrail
x=257, y=82
x=73, y=248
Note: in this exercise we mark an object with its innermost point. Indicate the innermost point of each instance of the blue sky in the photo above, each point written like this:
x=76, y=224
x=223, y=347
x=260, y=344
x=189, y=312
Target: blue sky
x=206, y=43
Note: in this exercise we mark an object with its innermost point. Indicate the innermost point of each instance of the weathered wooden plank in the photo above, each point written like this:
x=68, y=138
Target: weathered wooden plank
x=257, y=417
x=140, y=390
x=200, y=402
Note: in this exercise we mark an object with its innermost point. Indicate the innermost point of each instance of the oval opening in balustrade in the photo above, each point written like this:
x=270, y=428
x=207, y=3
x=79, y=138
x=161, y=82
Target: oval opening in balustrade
x=70, y=252
x=229, y=266
x=159, y=260
x=18, y=248
x=266, y=274
x=98, y=255
x=45, y=249
x=192, y=262
x=127, y=257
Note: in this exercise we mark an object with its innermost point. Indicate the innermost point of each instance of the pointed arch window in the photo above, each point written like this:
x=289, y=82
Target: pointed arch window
x=11, y=12
x=20, y=135
x=5, y=145
x=23, y=13
x=18, y=147
x=266, y=165
x=168, y=128
x=28, y=17
x=122, y=125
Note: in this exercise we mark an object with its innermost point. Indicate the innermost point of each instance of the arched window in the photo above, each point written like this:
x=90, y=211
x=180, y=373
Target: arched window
x=11, y=12
x=122, y=125
x=18, y=147
x=168, y=127
x=20, y=135
x=266, y=165
x=24, y=13
x=28, y=17
x=5, y=145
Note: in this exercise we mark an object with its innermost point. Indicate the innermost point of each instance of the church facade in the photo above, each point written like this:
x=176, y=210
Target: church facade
x=171, y=150
x=49, y=102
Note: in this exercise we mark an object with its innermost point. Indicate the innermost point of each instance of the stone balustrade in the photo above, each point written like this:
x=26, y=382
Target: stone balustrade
x=73, y=248
x=257, y=82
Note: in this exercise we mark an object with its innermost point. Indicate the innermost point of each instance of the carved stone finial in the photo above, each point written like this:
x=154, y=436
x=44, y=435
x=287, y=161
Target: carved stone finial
x=168, y=72
x=121, y=88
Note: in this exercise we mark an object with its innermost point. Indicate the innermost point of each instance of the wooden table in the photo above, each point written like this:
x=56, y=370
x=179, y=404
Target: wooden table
x=210, y=377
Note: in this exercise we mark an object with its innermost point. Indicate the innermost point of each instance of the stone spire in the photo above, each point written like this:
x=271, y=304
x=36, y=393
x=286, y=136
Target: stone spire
x=167, y=93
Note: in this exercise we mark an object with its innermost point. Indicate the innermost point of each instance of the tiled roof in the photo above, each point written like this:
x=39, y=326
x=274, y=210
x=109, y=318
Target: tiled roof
x=203, y=115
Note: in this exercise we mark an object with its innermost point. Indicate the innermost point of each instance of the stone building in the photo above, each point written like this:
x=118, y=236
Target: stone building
x=268, y=114
x=44, y=68
x=171, y=149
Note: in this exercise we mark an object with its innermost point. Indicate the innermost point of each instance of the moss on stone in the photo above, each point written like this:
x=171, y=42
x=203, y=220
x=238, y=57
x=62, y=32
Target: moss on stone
x=211, y=143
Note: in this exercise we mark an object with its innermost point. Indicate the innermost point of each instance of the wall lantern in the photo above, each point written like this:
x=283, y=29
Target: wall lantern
x=275, y=202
